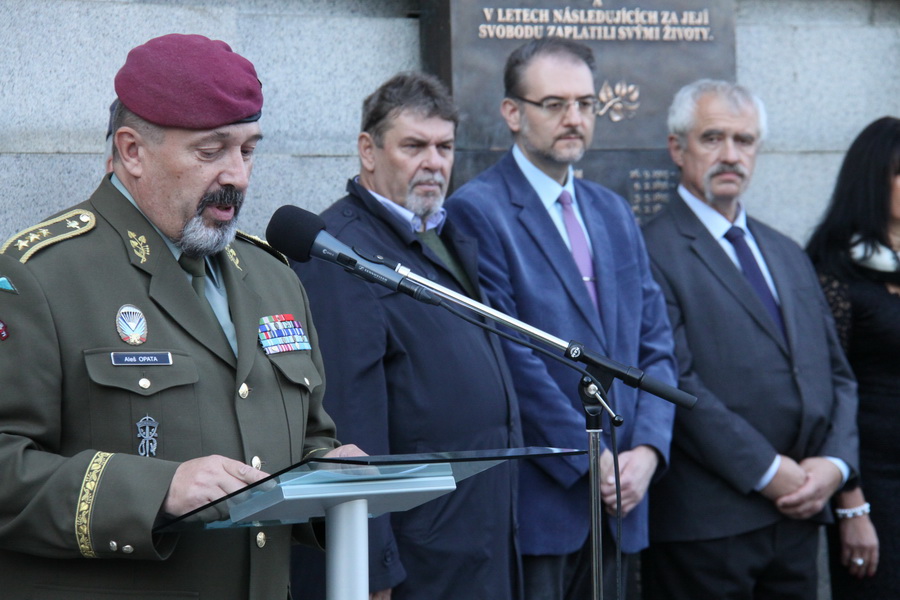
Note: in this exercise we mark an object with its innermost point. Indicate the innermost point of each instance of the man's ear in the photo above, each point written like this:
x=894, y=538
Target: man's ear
x=129, y=145
x=365, y=145
x=676, y=151
x=512, y=114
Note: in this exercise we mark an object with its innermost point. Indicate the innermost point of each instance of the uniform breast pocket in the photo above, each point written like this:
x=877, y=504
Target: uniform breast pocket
x=144, y=373
x=298, y=368
x=143, y=402
x=297, y=379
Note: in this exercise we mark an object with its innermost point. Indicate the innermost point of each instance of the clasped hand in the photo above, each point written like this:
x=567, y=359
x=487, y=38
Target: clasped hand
x=800, y=490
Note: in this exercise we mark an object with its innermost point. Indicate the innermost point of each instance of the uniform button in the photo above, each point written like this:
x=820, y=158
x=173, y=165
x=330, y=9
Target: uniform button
x=261, y=539
x=306, y=381
x=113, y=546
x=127, y=549
x=256, y=463
x=244, y=391
x=144, y=383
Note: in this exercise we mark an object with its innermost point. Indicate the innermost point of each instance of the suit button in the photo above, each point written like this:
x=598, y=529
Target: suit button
x=113, y=546
x=261, y=539
x=144, y=383
x=127, y=549
x=244, y=391
x=256, y=463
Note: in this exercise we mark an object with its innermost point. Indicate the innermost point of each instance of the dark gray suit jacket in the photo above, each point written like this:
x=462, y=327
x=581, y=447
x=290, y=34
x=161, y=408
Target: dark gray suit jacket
x=759, y=394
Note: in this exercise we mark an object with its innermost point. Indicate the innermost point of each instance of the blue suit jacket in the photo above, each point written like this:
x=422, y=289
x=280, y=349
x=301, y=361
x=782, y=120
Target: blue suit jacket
x=405, y=377
x=527, y=271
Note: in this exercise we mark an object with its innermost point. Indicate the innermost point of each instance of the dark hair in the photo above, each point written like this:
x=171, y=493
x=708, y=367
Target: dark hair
x=417, y=92
x=860, y=207
x=522, y=56
x=121, y=116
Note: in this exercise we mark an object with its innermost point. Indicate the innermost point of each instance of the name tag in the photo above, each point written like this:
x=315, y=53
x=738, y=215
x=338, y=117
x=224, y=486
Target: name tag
x=131, y=359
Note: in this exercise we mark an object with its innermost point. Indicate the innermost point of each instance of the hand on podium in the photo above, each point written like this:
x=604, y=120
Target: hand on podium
x=199, y=481
x=345, y=451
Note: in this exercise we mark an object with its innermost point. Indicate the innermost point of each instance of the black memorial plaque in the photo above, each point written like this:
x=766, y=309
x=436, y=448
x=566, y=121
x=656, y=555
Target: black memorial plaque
x=645, y=52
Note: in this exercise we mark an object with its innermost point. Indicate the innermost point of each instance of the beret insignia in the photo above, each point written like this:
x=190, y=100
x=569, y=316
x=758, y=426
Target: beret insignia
x=26, y=243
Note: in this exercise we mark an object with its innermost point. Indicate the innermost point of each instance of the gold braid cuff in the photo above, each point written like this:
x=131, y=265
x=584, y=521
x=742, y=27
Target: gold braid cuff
x=86, y=503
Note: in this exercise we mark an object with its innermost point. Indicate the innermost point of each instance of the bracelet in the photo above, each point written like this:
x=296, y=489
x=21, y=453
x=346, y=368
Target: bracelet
x=856, y=511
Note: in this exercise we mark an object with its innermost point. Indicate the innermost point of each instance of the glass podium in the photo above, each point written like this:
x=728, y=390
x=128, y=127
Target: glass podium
x=347, y=492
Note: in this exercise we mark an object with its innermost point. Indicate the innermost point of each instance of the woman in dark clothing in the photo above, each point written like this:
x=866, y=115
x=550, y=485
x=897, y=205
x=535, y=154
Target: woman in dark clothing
x=855, y=250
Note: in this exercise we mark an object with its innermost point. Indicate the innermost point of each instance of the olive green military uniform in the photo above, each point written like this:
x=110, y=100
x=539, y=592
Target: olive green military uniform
x=78, y=500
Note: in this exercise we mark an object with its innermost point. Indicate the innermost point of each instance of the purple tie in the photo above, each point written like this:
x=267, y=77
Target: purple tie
x=754, y=275
x=580, y=251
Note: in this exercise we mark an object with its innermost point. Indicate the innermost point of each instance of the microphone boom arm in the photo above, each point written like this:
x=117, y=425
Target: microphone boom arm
x=574, y=350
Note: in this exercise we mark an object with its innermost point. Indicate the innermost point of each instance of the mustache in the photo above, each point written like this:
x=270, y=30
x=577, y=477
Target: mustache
x=227, y=196
x=722, y=169
x=428, y=178
x=570, y=132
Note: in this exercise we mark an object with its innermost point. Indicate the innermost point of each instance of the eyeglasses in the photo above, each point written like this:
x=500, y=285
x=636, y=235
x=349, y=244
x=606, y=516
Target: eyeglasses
x=556, y=107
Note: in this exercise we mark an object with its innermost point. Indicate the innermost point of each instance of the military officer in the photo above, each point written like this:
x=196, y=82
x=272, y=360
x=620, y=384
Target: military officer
x=152, y=358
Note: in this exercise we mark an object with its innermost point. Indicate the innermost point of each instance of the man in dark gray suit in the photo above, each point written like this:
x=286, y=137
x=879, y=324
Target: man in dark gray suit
x=773, y=433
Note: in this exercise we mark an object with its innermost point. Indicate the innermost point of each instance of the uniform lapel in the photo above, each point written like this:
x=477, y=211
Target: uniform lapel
x=168, y=287
x=710, y=253
x=244, y=304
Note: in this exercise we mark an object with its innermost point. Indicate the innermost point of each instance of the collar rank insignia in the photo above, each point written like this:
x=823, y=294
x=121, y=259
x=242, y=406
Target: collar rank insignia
x=131, y=325
x=233, y=257
x=140, y=246
x=7, y=286
x=146, y=428
x=282, y=333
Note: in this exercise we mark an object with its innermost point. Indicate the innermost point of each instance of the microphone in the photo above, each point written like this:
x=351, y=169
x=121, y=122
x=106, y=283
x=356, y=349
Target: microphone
x=300, y=235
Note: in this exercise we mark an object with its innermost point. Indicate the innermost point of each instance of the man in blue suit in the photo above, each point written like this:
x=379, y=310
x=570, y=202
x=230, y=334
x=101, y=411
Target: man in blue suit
x=566, y=256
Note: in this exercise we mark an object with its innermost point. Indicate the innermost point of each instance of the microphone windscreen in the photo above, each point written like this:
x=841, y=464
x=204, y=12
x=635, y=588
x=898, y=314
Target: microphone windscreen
x=292, y=231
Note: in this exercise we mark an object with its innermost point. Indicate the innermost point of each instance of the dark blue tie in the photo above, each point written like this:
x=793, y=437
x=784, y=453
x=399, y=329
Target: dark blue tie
x=754, y=275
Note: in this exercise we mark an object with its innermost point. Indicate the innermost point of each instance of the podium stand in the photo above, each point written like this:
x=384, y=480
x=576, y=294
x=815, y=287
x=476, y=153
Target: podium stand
x=347, y=492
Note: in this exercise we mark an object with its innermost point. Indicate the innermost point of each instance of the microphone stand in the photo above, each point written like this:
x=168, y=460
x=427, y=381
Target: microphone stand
x=592, y=390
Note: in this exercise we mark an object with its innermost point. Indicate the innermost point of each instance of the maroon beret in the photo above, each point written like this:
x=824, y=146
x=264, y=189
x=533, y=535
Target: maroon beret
x=189, y=81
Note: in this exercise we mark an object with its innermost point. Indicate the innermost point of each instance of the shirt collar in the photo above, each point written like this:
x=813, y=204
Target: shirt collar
x=547, y=188
x=435, y=221
x=710, y=217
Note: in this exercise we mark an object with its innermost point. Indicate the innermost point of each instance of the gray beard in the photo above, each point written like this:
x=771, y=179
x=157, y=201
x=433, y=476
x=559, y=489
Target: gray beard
x=201, y=240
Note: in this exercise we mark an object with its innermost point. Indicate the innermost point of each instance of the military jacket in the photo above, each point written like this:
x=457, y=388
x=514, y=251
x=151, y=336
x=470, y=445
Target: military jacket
x=111, y=374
